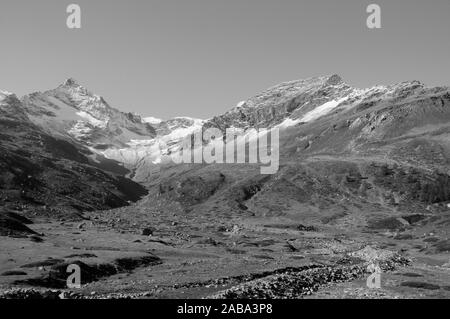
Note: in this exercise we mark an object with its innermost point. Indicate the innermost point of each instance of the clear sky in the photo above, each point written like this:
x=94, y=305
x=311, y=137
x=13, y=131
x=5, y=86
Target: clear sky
x=198, y=58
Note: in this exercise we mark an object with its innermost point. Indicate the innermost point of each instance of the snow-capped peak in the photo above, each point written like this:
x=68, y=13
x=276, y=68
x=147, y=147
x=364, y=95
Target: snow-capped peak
x=72, y=110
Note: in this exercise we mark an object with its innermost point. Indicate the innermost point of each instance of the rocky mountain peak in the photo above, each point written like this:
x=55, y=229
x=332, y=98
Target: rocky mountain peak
x=72, y=89
x=71, y=82
x=335, y=79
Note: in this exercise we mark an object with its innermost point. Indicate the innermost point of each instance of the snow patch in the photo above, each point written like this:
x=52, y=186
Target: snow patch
x=241, y=104
x=80, y=130
x=287, y=123
x=321, y=110
x=4, y=94
x=151, y=120
x=92, y=120
x=187, y=118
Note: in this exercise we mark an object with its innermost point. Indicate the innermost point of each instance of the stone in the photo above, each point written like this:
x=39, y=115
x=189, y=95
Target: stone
x=147, y=231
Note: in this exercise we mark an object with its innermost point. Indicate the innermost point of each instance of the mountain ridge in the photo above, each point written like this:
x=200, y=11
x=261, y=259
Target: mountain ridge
x=130, y=139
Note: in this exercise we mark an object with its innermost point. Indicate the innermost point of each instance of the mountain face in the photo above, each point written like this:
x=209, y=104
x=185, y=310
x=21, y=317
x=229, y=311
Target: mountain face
x=72, y=111
x=45, y=175
x=302, y=101
x=290, y=100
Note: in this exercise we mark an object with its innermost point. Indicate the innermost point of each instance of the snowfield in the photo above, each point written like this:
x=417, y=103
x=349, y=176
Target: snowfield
x=322, y=110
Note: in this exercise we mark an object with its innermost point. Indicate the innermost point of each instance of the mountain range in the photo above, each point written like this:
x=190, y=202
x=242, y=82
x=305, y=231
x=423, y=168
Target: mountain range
x=368, y=164
x=321, y=114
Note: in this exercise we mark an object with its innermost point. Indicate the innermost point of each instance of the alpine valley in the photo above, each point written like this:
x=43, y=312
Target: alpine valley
x=363, y=180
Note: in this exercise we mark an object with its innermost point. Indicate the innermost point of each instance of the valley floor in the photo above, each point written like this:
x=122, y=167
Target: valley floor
x=182, y=257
